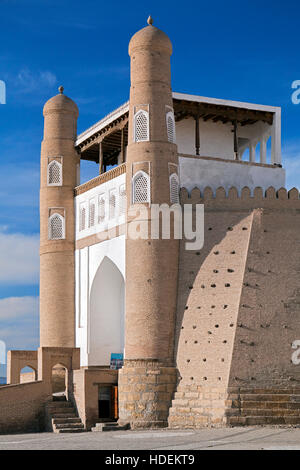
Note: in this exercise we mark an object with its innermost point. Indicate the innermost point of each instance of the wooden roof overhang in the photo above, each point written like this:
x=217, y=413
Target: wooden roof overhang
x=219, y=113
x=111, y=138
x=115, y=134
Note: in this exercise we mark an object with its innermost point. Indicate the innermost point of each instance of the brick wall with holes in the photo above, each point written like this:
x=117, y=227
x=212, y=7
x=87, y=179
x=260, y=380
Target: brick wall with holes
x=238, y=302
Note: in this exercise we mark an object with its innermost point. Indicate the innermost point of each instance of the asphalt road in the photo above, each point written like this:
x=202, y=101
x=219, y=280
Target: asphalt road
x=251, y=438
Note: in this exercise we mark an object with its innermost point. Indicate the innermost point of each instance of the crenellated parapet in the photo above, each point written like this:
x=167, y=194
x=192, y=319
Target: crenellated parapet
x=245, y=199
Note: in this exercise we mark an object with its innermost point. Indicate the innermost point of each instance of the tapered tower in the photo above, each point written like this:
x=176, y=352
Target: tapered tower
x=148, y=377
x=59, y=164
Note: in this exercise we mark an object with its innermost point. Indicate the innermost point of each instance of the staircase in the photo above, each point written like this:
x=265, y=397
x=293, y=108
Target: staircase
x=109, y=426
x=264, y=407
x=62, y=417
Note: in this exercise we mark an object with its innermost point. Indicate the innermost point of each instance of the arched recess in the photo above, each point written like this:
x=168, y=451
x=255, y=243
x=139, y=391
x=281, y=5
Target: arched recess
x=28, y=374
x=106, y=313
x=59, y=380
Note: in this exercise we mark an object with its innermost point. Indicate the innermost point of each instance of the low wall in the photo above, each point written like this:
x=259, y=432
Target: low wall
x=22, y=407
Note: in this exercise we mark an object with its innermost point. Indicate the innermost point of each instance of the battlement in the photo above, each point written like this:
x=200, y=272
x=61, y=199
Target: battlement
x=232, y=199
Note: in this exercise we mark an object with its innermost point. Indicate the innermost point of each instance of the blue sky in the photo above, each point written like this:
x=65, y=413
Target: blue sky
x=236, y=50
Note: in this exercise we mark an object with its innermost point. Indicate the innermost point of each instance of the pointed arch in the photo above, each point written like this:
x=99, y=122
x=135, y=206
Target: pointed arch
x=141, y=126
x=171, y=131
x=174, y=188
x=140, y=188
x=107, y=303
x=54, y=173
x=56, y=227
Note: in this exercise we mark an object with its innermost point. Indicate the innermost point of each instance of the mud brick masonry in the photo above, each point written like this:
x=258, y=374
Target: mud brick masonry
x=207, y=335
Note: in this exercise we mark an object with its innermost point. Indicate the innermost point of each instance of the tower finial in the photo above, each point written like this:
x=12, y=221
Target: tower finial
x=150, y=20
x=61, y=90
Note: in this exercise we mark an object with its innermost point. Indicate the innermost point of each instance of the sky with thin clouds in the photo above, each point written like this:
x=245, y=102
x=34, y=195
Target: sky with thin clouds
x=235, y=50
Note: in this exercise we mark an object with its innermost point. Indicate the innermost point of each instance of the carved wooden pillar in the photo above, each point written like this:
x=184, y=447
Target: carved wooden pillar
x=197, y=135
x=100, y=158
x=123, y=145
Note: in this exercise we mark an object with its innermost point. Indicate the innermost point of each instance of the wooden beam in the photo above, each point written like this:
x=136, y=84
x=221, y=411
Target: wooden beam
x=122, y=145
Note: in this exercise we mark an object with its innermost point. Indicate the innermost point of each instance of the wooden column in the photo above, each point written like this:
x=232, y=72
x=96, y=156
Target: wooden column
x=123, y=145
x=100, y=158
x=197, y=135
x=235, y=140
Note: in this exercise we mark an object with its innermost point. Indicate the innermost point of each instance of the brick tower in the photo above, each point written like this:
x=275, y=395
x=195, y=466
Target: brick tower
x=147, y=380
x=59, y=163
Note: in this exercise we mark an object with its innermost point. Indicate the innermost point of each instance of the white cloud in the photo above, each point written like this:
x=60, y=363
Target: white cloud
x=19, y=258
x=28, y=82
x=17, y=307
x=19, y=322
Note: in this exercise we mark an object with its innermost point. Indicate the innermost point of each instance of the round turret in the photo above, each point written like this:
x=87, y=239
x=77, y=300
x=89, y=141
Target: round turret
x=150, y=37
x=60, y=103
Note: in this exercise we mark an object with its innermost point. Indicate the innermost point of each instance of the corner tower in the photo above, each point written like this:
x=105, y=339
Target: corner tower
x=148, y=378
x=59, y=164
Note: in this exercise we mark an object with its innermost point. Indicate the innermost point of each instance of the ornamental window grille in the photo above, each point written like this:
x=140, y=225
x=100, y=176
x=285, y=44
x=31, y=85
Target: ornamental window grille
x=101, y=208
x=112, y=205
x=171, y=127
x=55, y=173
x=92, y=210
x=141, y=188
x=56, y=227
x=141, y=126
x=174, y=189
x=82, y=216
x=122, y=199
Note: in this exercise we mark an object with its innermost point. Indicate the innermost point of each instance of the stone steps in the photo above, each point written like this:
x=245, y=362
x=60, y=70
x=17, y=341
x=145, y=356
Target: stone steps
x=63, y=417
x=109, y=426
x=263, y=420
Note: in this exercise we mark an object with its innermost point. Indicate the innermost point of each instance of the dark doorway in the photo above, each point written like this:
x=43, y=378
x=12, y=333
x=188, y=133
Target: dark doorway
x=108, y=402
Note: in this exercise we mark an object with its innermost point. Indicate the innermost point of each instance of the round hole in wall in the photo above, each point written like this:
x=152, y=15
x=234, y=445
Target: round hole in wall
x=194, y=327
x=219, y=378
x=197, y=253
x=227, y=285
x=213, y=285
x=216, y=252
x=231, y=324
x=244, y=228
x=199, y=307
x=192, y=378
x=209, y=228
x=216, y=326
x=267, y=252
x=190, y=287
x=225, y=341
x=222, y=360
x=229, y=229
x=204, y=378
x=204, y=359
x=188, y=360
x=202, y=286
x=232, y=252
x=225, y=306
x=213, y=306
x=195, y=342
x=215, y=271
x=209, y=332
x=186, y=307
x=229, y=270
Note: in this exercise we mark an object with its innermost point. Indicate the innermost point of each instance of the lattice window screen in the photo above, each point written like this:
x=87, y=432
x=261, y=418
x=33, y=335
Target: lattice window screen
x=112, y=205
x=141, y=126
x=174, y=189
x=141, y=188
x=55, y=173
x=56, y=227
x=101, y=208
x=171, y=127
x=92, y=210
x=122, y=199
x=82, y=215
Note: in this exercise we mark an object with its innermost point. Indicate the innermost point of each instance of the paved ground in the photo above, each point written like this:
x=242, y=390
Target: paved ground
x=267, y=438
